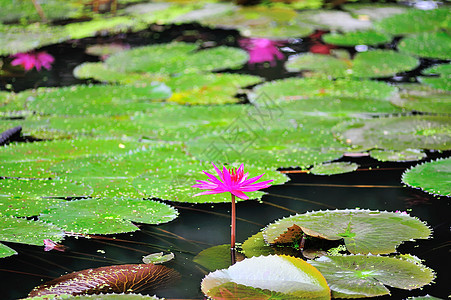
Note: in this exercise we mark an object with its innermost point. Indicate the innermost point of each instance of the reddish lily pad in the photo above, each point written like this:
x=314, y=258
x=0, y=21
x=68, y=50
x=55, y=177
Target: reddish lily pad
x=110, y=279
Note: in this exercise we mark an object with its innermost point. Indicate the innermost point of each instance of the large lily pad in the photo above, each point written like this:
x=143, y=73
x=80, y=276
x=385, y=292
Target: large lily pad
x=176, y=58
x=423, y=98
x=363, y=231
x=17, y=39
x=432, y=177
x=335, y=20
x=369, y=37
x=174, y=181
x=26, y=207
x=382, y=63
x=393, y=155
x=18, y=230
x=292, y=89
x=107, y=215
x=275, y=277
x=428, y=44
x=263, y=22
x=116, y=279
x=34, y=160
x=397, y=133
x=358, y=276
x=319, y=63
x=24, y=10
x=95, y=99
x=416, y=20
x=443, y=82
x=42, y=188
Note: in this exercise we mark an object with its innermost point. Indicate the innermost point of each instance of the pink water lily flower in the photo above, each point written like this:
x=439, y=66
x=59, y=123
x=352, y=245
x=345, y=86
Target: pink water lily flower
x=233, y=181
x=32, y=60
x=261, y=50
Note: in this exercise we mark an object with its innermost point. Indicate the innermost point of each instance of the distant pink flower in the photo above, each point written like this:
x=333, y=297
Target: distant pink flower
x=33, y=59
x=261, y=50
x=233, y=181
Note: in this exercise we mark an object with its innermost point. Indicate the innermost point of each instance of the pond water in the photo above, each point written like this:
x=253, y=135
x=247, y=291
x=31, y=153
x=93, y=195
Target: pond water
x=375, y=185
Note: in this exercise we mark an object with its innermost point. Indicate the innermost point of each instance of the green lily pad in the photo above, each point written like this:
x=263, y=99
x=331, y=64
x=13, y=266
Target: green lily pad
x=18, y=230
x=107, y=215
x=393, y=155
x=17, y=39
x=262, y=22
x=24, y=10
x=256, y=246
x=363, y=231
x=382, y=63
x=443, y=82
x=431, y=177
x=42, y=188
x=334, y=20
x=95, y=99
x=174, y=181
x=25, y=206
x=214, y=258
x=176, y=58
x=110, y=25
x=34, y=160
x=423, y=98
x=275, y=277
x=334, y=168
x=374, y=11
x=415, y=20
x=397, y=133
x=157, y=258
x=323, y=64
x=292, y=89
x=359, y=276
x=353, y=38
x=428, y=44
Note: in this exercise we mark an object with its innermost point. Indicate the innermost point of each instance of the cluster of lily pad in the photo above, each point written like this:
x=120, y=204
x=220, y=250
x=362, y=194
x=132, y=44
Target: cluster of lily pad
x=157, y=115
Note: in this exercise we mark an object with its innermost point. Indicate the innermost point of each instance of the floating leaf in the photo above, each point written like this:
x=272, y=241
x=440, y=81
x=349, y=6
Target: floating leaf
x=428, y=44
x=422, y=98
x=382, y=63
x=214, y=258
x=359, y=276
x=374, y=11
x=25, y=10
x=432, y=177
x=263, y=22
x=334, y=168
x=363, y=231
x=107, y=215
x=174, y=181
x=324, y=64
x=443, y=82
x=24, y=206
x=110, y=279
x=292, y=89
x=176, y=58
x=157, y=258
x=369, y=37
x=42, y=188
x=415, y=20
x=397, y=133
x=18, y=230
x=393, y=155
x=256, y=246
x=275, y=277
x=334, y=20
x=17, y=39
x=96, y=99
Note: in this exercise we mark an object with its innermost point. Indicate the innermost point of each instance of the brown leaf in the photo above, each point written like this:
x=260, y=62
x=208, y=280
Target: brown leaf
x=110, y=279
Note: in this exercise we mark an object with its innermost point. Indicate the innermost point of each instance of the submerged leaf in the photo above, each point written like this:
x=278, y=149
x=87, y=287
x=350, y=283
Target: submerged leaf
x=363, y=231
x=110, y=279
x=432, y=177
x=264, y=277
x=358, y=276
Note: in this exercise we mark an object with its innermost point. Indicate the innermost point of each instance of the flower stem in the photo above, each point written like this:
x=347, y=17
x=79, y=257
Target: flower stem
x=232, y=233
